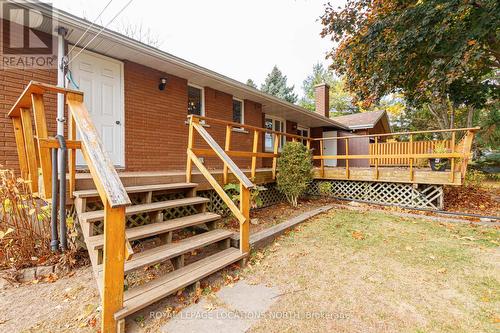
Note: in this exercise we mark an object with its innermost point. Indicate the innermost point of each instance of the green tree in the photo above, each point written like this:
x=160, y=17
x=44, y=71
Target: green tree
x=438, y=53
x=340, y=100
x=275, y=84
x=294, y=171
x=251, y=83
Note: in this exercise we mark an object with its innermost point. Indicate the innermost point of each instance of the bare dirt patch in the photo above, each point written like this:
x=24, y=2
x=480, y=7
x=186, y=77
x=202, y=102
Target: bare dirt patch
x=269, y=216
x=69, y=304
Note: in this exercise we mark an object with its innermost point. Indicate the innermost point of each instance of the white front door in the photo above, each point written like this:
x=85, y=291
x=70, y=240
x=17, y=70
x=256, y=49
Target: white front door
x=101, y=80
x=330, y=147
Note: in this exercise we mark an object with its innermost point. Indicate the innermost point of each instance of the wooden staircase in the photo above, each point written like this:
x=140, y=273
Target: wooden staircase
x=171, y=246
x=111, y=215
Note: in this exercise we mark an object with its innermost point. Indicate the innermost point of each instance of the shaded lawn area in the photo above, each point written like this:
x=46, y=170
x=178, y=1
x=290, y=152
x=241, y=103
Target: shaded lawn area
x=373, y=272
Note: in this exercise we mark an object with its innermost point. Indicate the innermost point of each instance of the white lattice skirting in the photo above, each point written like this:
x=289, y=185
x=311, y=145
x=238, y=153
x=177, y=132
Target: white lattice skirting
x=269, y=197
x=404, y=195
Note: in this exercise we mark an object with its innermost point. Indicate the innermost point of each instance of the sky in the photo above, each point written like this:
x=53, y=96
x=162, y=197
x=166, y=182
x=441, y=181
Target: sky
x=239, y=39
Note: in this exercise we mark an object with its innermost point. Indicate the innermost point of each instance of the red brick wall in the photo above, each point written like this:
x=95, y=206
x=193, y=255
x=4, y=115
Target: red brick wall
x=12, y=83
x=155, y=132
x=155, y=129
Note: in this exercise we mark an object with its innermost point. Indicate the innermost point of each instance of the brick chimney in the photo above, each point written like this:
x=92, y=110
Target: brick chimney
x=322, y=99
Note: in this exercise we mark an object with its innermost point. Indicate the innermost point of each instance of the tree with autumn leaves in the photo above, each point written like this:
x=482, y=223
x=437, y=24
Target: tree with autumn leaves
x=443, y=56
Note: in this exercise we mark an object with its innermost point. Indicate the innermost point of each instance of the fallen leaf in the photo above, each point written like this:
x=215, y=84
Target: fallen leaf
x=442, y=270
x=210, y=306
x=358, y=235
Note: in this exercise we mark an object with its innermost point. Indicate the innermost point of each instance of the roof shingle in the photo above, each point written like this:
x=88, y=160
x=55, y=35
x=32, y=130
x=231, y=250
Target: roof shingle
x=360, y=120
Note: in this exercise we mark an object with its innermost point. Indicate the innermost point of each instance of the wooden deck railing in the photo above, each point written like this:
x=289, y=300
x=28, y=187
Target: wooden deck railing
x=457, y=152
x=108, y=184
x=401, y=148
x=379, y=154
x=257, y=133
x=242, y=213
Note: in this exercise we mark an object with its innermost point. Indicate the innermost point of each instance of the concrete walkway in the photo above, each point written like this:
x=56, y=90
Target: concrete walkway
x=233, y=309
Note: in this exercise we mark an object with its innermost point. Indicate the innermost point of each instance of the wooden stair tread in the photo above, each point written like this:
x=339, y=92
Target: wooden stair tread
x=96, y=242
x=172, y=250
x=138, y=189
x=98, y=215
x=139, y=297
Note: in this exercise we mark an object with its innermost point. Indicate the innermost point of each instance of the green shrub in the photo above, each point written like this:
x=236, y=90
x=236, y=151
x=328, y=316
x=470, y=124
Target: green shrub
x=325, y=188
x=233, y=190
x=294, y=171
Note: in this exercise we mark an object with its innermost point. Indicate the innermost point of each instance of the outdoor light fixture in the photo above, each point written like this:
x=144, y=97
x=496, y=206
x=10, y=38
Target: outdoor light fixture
x=163, y=83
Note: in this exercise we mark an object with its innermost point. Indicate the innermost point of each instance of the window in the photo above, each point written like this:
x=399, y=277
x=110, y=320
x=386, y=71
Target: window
x=238, y=111
x=196, y=100
x=274, y=124
x=303, y=131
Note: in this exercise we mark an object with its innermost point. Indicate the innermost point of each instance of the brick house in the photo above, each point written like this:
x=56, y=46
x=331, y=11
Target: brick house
x=142, y=126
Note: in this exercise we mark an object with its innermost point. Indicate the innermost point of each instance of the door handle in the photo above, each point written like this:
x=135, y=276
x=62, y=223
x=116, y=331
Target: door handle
x=118, y=122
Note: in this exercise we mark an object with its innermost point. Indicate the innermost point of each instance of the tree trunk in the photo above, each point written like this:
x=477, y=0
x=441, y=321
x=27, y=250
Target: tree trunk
x=452, y=117
x=441, y=115
x=470, y=116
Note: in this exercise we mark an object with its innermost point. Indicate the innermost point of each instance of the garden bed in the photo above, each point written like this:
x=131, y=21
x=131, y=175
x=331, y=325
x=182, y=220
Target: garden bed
x=263, y=218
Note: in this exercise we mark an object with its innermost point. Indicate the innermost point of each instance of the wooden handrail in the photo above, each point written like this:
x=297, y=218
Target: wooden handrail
x=242, y=213
x=34, y=87
x=242, y=178
x=418, y=156
x=472, y=129
x=247, y=127
x=108, y=183
x=212, y=181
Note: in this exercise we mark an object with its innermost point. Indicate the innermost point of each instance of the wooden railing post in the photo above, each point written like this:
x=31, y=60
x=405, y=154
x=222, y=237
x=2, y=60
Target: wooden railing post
x=72, y=155
x=189, y=162
x=113, y=263
x=376, y=147
x=21, y=147
x=43, y=153
x=245, y=226
x=466, y=150
x=411, y=158
x=321, y=161
x=227, y=147
x=347, y=158
x=452, y=165
x=277, y=137
x=30, y=148
x=254, y=151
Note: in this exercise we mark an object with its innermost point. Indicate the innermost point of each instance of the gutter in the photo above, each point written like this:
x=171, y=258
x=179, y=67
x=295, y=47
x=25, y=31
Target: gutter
x=76, y=22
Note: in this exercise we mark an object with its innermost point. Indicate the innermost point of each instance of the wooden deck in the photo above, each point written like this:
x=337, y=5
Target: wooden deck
x=390, y=174
x=265, y=175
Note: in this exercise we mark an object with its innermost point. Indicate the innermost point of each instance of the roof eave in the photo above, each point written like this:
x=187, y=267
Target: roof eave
x=75, y=21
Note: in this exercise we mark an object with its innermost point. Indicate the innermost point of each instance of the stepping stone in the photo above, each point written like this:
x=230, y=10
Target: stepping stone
x=243, y=304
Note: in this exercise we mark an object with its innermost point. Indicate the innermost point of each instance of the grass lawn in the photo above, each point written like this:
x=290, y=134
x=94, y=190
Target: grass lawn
x=373, y=272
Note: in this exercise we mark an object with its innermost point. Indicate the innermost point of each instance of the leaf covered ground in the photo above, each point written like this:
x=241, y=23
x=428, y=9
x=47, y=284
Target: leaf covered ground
x=373, y=272
x=343, y=271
